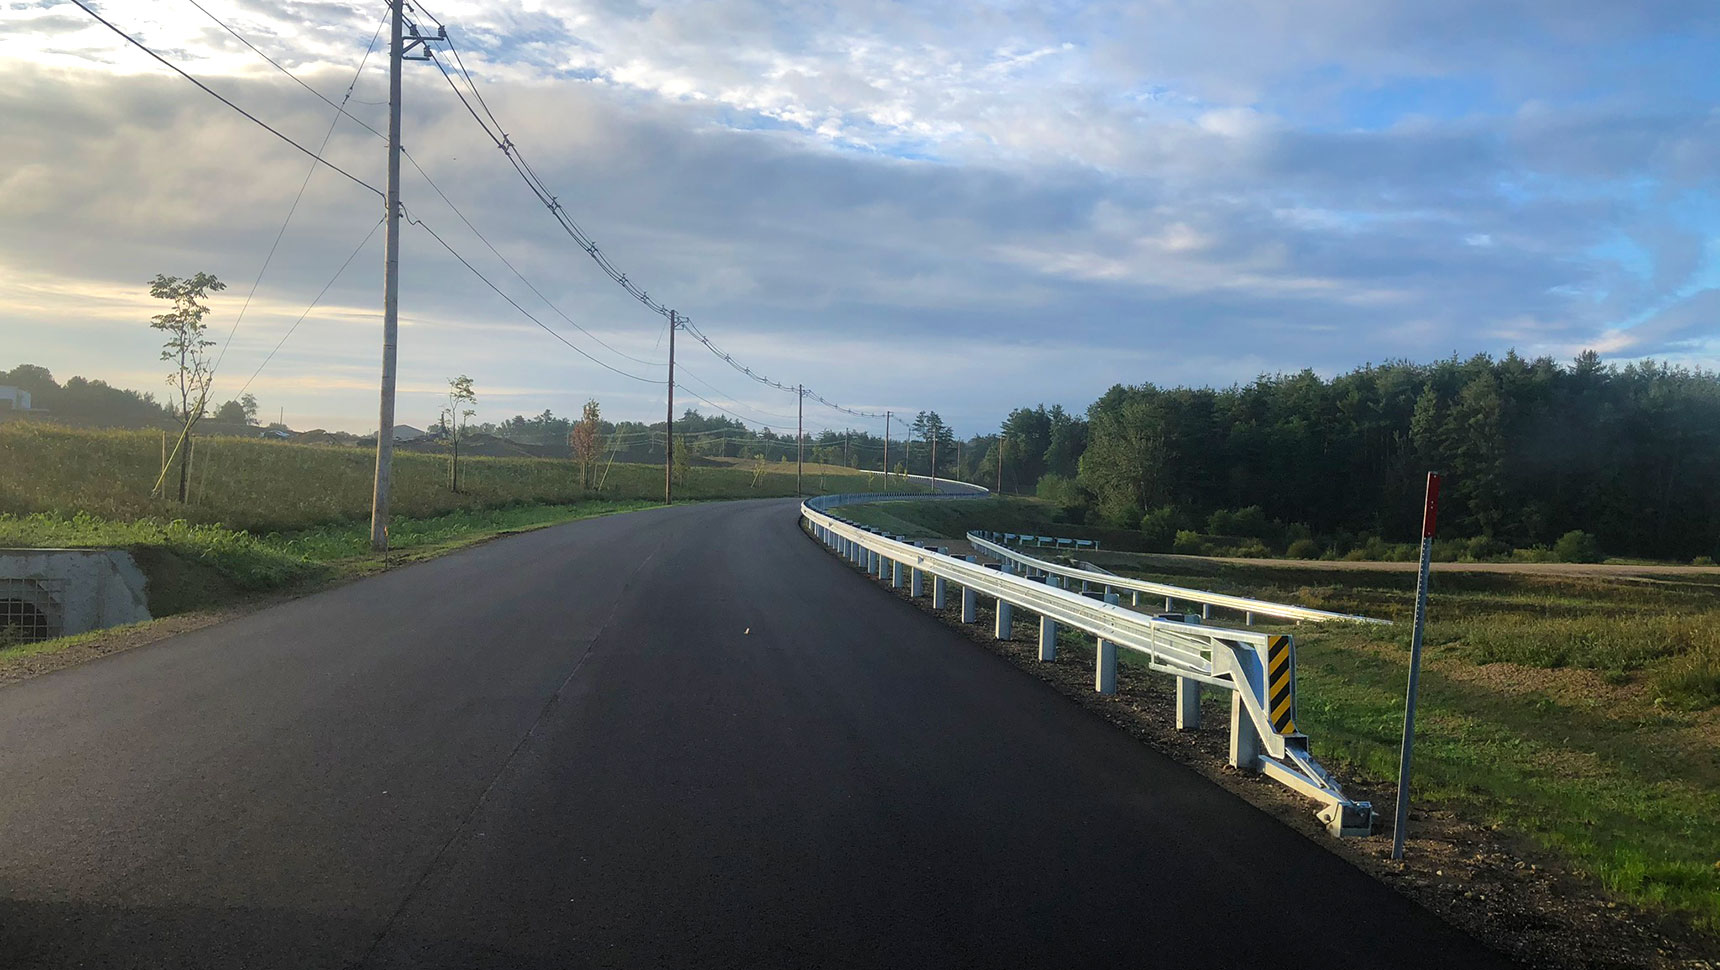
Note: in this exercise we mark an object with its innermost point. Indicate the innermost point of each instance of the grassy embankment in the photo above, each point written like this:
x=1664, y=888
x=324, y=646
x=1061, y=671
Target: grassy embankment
x=267, y=515
x=1580, y=711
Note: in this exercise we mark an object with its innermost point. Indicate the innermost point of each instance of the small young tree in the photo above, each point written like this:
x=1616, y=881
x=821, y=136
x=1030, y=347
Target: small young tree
x=187, y=348
x=462, y=401
x=586, y=442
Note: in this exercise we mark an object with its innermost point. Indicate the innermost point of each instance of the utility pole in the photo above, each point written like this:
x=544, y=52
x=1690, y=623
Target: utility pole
x=799, y=433
x=934, y=436
x=397, y=48
x=958, y=459
x=1000, y=440
x=669, y=420
x=886, y=451
x=390, y=289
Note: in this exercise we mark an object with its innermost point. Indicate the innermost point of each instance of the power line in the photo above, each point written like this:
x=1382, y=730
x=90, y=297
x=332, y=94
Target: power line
x=341, y=108
x=516, y=158
x=527, y=313
x=217, y=96
x=337, y=274
x=303, y=185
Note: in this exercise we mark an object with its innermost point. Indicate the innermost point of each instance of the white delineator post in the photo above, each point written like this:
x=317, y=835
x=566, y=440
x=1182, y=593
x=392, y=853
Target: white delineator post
x=1430, y=512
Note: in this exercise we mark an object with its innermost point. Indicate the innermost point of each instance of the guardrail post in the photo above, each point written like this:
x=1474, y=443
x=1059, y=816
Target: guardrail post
x=1047, y=639
x=1248, y=618
x=1003, y=629
x=1168, y=607
x=1206, y=611
x=970, y=602
x=940, y=593
x=1188, y=704
x=1244, y=740
x=916, y=583
x=897, y=580
x=1105, y=672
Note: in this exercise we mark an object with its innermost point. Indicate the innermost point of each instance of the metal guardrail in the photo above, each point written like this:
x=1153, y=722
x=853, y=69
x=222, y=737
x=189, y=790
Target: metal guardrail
x=1259, y=669
x=985, y=542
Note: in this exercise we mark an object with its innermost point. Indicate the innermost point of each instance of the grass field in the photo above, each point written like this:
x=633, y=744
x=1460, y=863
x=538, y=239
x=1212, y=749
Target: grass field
x=269, y=486
x=1579, y=711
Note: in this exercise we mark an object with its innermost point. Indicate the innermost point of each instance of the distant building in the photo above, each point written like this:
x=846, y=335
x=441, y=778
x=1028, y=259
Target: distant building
x=14, y=398
x=406, y=432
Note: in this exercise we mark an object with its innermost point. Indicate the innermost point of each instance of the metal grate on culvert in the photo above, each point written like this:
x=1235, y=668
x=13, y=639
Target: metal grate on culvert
x=29, y=610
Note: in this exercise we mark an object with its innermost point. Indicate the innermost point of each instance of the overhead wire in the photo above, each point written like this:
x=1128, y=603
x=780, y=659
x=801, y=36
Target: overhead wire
x=498, y=135
x=320, y=294
x=341, y=109
x=303, y=185
x=219, y=97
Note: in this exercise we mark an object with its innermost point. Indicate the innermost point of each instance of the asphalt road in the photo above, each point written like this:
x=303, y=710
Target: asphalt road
x=680, y=738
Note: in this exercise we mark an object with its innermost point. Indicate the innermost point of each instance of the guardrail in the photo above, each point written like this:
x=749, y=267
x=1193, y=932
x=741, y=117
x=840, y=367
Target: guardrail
x=1250, y=608
x=1048, y=542
x=1258, y=669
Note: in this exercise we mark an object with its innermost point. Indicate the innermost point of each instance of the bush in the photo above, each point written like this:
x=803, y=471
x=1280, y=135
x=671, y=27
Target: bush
x=1062, y=491
x=1159, y=528
x=1248, y=523
x=1484, y=548
x=1702, y=561
x=1577, y=546
x=1250, y=549
x=1189, y=543
x=1303, y=549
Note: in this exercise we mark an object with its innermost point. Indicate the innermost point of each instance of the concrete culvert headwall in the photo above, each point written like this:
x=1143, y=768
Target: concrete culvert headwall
x=47, y=593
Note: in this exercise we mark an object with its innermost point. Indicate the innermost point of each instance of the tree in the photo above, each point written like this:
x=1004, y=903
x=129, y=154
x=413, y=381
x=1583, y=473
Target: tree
x=462, y=401
x=241, y=411
x=586, y=442
x=187, y=348
x=937, y=441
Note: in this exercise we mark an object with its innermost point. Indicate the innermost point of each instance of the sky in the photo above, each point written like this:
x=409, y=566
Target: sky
x=956, y=206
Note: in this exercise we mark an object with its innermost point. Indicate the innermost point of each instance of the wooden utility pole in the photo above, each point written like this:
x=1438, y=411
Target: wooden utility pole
x=669, y=420
x=1000, y=440
x=799, y=433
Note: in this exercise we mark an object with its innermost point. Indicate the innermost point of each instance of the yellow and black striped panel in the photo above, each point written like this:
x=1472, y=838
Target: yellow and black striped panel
x=1281, y=684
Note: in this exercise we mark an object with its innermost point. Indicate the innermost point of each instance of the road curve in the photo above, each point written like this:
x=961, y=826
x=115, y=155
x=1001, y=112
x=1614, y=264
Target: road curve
x=687, y=737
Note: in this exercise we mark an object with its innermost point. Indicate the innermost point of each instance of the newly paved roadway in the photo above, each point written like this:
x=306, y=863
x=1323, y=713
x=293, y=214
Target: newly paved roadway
x=680, y=738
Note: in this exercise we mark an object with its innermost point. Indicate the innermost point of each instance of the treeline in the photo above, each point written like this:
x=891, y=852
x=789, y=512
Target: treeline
x=1531, y=450
x=718, y=436
x=99, y=404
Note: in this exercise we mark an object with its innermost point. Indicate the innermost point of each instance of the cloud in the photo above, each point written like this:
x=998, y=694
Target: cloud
x=963, y=207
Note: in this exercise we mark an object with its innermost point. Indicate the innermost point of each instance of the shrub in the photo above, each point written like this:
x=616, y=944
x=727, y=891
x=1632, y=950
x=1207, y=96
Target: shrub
x=1577, y=546
x=1484, y=548
x=1303, y=549
x=1251, y=549
x=1702, y=561
x=1249, y=522
x=1159, y=528
x=1189, y=543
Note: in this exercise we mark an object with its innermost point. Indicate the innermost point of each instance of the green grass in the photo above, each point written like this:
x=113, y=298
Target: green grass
x=261, y=486
x=1621, y=785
